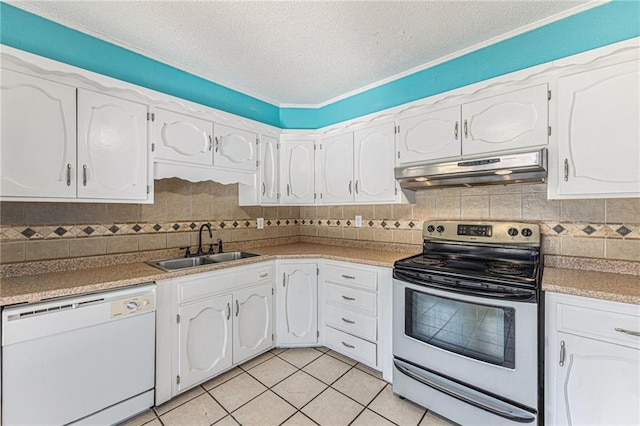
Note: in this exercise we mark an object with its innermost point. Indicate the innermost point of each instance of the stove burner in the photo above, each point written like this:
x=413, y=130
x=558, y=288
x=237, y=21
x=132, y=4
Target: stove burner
x=504, y=269
x=429, y=260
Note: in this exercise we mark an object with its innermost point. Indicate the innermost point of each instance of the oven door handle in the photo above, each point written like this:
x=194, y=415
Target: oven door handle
x=519, y=296
x=470, y=396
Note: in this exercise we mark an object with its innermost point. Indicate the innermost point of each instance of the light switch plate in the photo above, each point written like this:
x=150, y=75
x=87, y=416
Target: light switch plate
x=260, y=222
x=358, y=221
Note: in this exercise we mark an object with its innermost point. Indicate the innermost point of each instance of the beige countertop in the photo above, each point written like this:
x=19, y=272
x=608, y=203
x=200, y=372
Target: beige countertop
x=595, y=284
x=37, y=287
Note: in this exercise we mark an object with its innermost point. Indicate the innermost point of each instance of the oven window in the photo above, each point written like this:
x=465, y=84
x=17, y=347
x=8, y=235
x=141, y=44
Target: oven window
x=482, y=332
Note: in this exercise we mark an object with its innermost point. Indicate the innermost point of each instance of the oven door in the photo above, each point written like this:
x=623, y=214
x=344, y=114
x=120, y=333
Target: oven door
x=484, y=343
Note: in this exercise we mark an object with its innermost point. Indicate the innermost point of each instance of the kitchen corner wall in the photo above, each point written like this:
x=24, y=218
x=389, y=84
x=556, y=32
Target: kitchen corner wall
x=37, y=231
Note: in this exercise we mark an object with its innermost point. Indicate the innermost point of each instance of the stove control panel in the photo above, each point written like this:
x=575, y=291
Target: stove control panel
x=490, y=232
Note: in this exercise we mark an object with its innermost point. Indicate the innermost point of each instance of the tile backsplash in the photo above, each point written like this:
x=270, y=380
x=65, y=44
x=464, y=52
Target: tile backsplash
x=34, y=231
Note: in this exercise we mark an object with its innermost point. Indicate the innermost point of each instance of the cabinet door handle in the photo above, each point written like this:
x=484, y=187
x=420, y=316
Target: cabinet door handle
x=284, y=280
x=264, y=188
x=237, y=308
x=69, y=174
x=217, y=143
x=350, y=182
x=455, y=130
x=228, y=310
x=566, y=169
x=466, y=129
x=348, y=345
x=562, y=353
x=625, y=331
x=348, y=321
x=210, y=143
x=348, y=298
x=356, y=187
x=349, y=277
x=84, y=175
x=288, y=190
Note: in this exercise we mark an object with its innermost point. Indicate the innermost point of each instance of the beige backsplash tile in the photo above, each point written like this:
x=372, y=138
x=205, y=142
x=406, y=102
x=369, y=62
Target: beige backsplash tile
x=505, y=206
x=122, y=244
x=475, y=207
x=447, y=208
x=87, y=246
x=382, y=211
x=54, y=249
x=623, y=249
x=152, y=242
x=12, y=214
x=582, y=211
x=87, y=213
x=123, y=213
x=46, y=213
x=624, y=210
x=12, y=252
x=583, y=247
x=535, y=206
x=181, y=239
x=402, y=211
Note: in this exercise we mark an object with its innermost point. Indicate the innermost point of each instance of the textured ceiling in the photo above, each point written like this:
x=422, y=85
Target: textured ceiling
x=302, y=52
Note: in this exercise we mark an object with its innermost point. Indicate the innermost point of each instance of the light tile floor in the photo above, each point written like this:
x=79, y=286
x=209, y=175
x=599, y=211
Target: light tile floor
x=291, y=387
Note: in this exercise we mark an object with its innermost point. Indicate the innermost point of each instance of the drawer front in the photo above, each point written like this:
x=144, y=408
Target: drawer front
x=351, y=276
x=619, y=328
x=352, y=298
x=355, y=323
x=201, y=285
x=351, y=346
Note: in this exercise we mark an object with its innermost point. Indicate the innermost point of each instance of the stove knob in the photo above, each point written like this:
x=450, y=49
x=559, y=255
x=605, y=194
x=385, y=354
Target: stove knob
x=440, y=229
x=526, y=232
x=431, y=228
x=512, y=232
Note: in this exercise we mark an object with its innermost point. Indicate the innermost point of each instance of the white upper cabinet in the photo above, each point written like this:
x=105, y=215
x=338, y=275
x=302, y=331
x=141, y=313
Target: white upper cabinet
x=235, y=148
x=507, y=121
x=43, y=159
x=335, y=169
x=112, y=147
x=598, y=133
x=38, y=140
x=431, y=136
x=204, y=340
x=184, y=138
x=252, y=322
x=298, y=169
x=297, y=304
x=374, y=162
x=268, y=170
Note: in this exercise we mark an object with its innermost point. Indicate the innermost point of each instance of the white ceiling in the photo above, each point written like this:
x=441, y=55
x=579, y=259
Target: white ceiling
x=301, y=52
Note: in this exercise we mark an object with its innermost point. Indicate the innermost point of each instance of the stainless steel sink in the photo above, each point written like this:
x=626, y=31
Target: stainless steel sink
x=192, y=262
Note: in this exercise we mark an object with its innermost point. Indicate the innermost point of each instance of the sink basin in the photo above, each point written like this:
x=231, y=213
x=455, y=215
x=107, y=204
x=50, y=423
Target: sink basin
x=192, y=262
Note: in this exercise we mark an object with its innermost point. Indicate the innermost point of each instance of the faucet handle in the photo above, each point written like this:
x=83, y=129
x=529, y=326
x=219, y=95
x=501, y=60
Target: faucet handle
x=210, y=249
x=219, y=245
x=187, y=252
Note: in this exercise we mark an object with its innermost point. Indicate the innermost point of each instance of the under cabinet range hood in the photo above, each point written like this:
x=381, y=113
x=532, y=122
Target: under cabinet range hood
x=498, y=170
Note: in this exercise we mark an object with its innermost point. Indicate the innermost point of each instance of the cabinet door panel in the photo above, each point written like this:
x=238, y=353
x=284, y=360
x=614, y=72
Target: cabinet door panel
x=234, y=148
x=269, y=170
x=598, y=135
x=184, y=138
x=252, y=322
x=509, y=121
x=298, y=171
x=598, y=384
x=430, y=136
x=38, y=140
x=112, y=147
x=335, y=169
x=374, y=154
x=297, y=295
x=205, y=340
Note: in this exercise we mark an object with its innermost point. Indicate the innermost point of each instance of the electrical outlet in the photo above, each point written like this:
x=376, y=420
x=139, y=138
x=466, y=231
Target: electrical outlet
x=260, y=222
x=358, y=221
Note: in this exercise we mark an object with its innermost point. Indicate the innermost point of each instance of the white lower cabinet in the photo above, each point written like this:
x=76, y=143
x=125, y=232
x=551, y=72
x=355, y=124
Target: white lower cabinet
x=356, y=313
x=208, y=322
x=297, y=303
x=592, y=362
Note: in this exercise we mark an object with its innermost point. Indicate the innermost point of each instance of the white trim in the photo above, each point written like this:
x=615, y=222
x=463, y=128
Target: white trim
x=542, y=22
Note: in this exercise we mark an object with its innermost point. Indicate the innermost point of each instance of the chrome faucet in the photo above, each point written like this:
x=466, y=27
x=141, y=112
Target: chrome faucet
x=208, y=226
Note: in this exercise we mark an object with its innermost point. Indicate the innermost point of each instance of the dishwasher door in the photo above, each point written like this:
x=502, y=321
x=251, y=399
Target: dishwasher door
x=65, y=360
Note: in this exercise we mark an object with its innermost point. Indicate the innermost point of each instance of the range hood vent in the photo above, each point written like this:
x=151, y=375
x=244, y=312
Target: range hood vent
x=500, y=170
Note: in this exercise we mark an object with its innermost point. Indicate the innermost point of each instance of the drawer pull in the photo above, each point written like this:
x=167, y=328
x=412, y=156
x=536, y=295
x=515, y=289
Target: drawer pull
x=348, y=321
x=348, y=298
x=264, y=275
x=348, y=345
x=349, y=277
x=622, y=330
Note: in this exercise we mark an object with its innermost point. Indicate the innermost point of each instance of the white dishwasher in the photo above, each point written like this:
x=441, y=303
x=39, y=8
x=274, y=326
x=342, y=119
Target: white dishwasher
x=87, y=359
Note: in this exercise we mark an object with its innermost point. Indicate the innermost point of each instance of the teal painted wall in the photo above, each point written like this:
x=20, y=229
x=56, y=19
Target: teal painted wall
x=606, y=24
